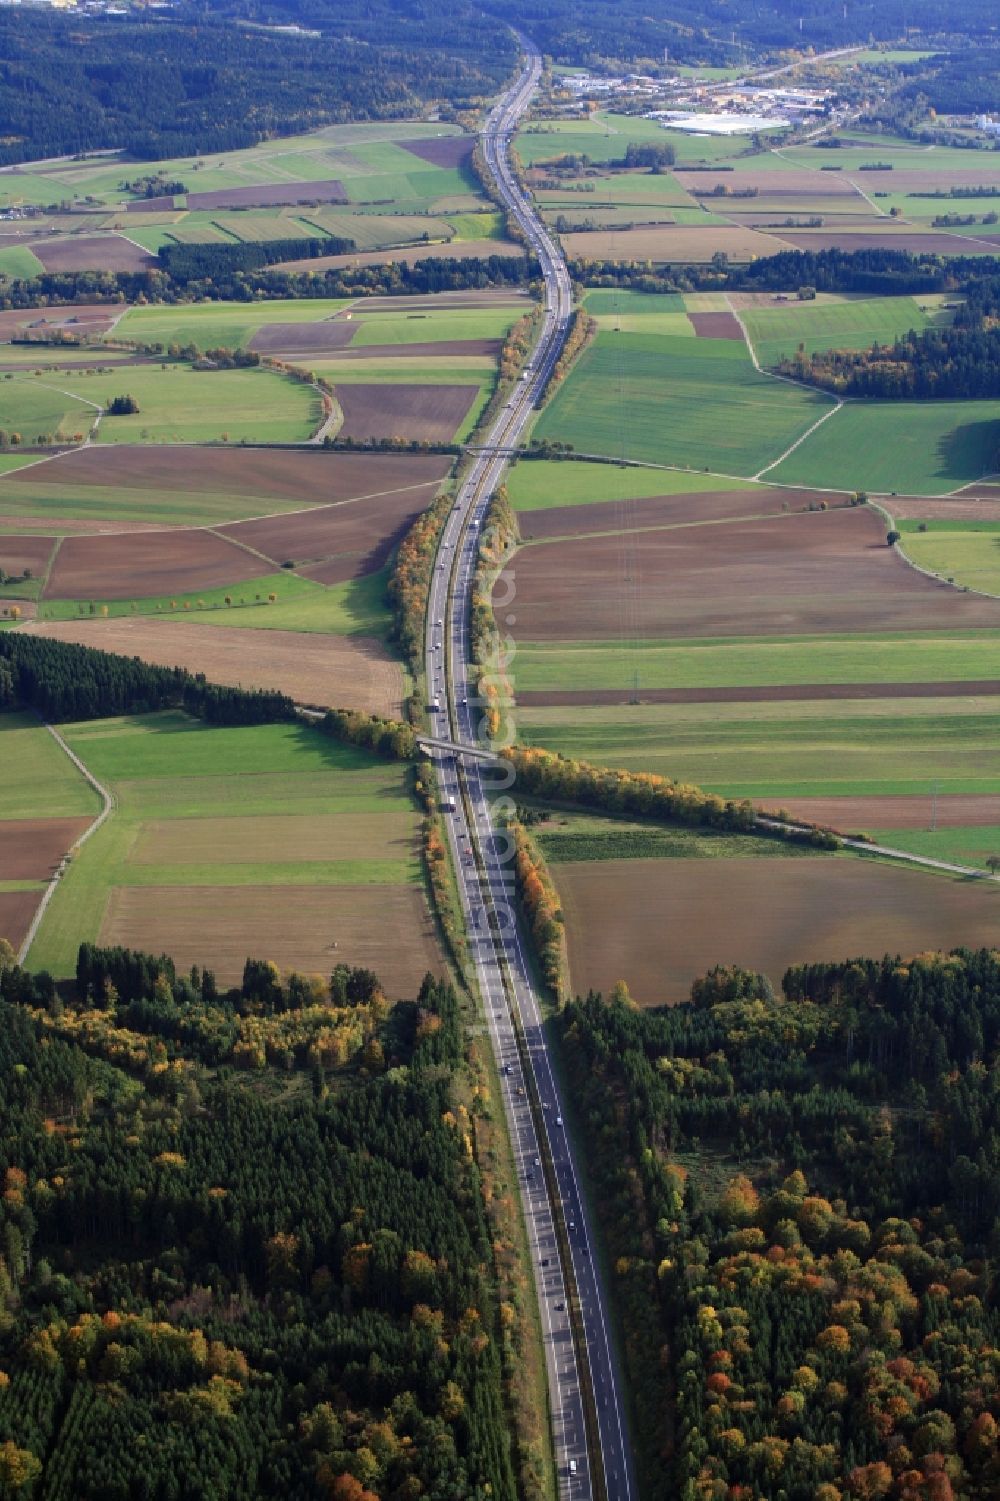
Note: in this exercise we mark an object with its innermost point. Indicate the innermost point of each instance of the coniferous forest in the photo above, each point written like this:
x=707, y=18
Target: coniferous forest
x=801, y=1197
x=270, y=1276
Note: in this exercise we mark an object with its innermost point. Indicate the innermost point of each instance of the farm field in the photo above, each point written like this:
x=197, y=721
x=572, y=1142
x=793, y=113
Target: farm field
x=295, y=852
x=677, y=400
x=777, y=332
x=763, y=662
x=212, y=325
x=770, y=574
x=658, y=924
x=970, y=556
x=177, y=405
x=334, y=181
x=550, y=484
x=913, y=447
x=46, y=806
x=782, y=751
x=100, y=489
x=311, y=665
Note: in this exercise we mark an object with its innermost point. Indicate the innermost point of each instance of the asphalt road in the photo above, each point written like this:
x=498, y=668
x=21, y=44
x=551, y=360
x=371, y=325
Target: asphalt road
x=597, y=1463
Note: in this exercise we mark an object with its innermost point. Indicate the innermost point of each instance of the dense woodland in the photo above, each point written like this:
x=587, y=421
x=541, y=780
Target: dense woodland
x=199, y=81
x=270, y=1278
x=801, y=1197
x=960, y=361
x=228, y=283
x=63, y=681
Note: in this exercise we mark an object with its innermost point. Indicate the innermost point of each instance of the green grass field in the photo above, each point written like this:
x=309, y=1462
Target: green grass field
x=165, y=767
x=19, y=261
x=432, y=326
x=176, y=405
x=970, y=556
x=912, y=657
x=357, y=607
x=39, y=781
x=776, y=333
x=907, y=447
x=809, y=748
x=696, y=402
x=253, y=593
x=191, y=507
x=544, y=484
x=640, y=312
x=214, y=325
x=581, y=836
x=961, y=845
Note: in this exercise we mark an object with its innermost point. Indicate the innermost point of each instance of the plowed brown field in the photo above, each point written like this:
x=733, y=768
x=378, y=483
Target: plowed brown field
x=445, y=151
x=662, y=510
x=31, y=848
x=797, y=574
x=360, y=534
x=93, y=253
x=308, y=928
x=141, y=565
x=303, y=338
x=716, y=326
x=19, y=553
x=308, y=477
x=658, y=924
x=17, y=908
x=953, y=811
x=331, y=671
x=434, y=413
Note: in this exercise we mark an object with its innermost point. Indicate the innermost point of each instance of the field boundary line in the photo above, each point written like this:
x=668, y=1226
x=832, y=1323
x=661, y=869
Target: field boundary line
x=245, y=546
x=109, y=804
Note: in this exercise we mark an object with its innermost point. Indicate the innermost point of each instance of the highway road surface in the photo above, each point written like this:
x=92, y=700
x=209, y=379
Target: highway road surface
x=589, y=1431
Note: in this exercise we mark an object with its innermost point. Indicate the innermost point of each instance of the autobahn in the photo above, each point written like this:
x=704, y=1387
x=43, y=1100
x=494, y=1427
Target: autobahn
x=587, y=1414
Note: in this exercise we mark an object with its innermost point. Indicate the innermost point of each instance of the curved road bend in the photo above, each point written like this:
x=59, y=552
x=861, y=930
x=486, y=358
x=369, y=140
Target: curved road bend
x=598, y=1464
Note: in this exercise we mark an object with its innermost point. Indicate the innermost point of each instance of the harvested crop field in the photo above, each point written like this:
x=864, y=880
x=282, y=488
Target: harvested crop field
x=139, y=565
x=302, y=338
x=359, y=534
x=824, y=571
x=441, y=151
x=271, y=194
x=929, y=243
x=95, y=315
x=693, y=243
x=385, y=928
x=850, y=814
x=20, y=553
x=332, y=671
x=686, y=509
x=658, y=924
x=17, y=908
x=430, y=412
x=960, y=507
x=715, y=326
x=455, y=250
x=31, y=848
x=301, y=477
x=315, y=836
x=93, y=253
